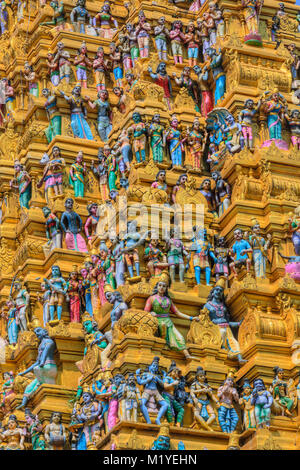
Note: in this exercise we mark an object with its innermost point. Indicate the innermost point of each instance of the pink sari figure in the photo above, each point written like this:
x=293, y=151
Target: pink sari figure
x=196, y=5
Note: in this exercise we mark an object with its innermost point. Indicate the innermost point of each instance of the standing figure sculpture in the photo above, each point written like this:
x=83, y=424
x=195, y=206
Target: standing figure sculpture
x=246, y=120
x=55, y=433
x=251, y=10
x=177, y=38
x=22, y=301
x=202, y=396
x=171, y=381
x=227, y=415
x=139, y=132
x=12, y=324
x=104, y=21
x=53, y=115
x=79, y=123
x=202, y=253
x=79, y=17
x=274, y=106
x=218, y=72
x=142, y=31
x=160, y=305
x=162, y=79
x=53, y=229
x=248, y=408
x=239, y=251
x=74, y=292
x=175, y=142
x=58, y=292
x=262, y=401
x=207, y=99
x=104, y=117
x=161, y=36
x=44, y=368
x=132, y=240
x=22, y=182
x=294, y=229
x=260, y=247
x=13, y=436
x=77, y=174
x=196, y=144
x=30, y=77
x=82, y=63
x=72, y=224
x=100, y=171
x=157, y=139
x=62, y=60
x=222, y=192
x=100, y=69
x=293, y=120
x=175, y=254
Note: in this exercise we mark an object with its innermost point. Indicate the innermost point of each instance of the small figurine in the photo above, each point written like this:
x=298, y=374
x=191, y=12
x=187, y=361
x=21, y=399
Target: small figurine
x=219, y=315
x=219, y=75
x=175, y=142
x=44, y=299
x=246, y=120
x=177, y=38
x=202, y=396
x=157, y=138
x=133, y=240
x=53, y=229
x=116, y=300
x=274, y=106
x=248, y=408
x=79, y=16
x=59, y=16
x=131, y=397
x=221, y=267
x=134, y=48
x=52, y=174
x=7, y=391
x=79, y=123
x=252, y=10
x=171, y=381
x=196, y=143
x=260, y=248
x=105, y=20
x=151, y=380
x=53, y=115
x=216, y=13
x=240, y=250
x=281, y=393
x=222, y=193
x=191, y=86
x=156, y=260
x=180, y=184
x=208, y=193
x=207, y=100
x=34, y=430
x=294, y=124
x=77, y=174
x=100, y=69
x=13, y=435
x=162, y=79
x=90, y=226
x=30, y=77
x=233, y=136
x=292, y=269
x=62, y=59
x=74, y=292
x=202, y=253
x=161, y=35
x=55, y=433
x=22, y=182
x=9, y=98
x=175, y=253
x=294, y=229
x=119, y=260
x=72, y=224
x=58, y=292
x=3, y=17
x=192, y=44
x=88, y=414
x=142, y=32
x=227, y=395
x=262, y=401
x=101, y=172
x=139, y=132
x=104, y=114
x=87, y=290
x=82, y=63
x=116, y=61
x=125, y=49
x=203, y=38
x=160, y=305
x=12, y=322
x=22, y=301
x=44, y=368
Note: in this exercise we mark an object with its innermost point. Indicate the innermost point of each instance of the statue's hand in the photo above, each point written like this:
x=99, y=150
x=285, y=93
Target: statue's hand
x=196, y=318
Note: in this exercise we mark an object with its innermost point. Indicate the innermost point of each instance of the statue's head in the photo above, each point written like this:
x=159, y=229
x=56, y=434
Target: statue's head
x=55, y=270
x=12, y=422
x=41, y=332
x=137, y=117
x=87, y=397
x=92, y=208
x=89, y=326
x=182, y=179
x=162, y=68
x=217, y=293
x=161, y=176
x=216, y=175
x=106, y=7
x=76, y=90
x=56, y=417
x=200, y=375
x=156, y=118
x=163, y=443
x=46, y=211
x=247, y=389
x=206, y=184
x=131, y=378
x=230, y=119
x=279, y=372
x=69, y=203
x=238, y=234
x=129, y=77
x=46, y=92
x=186, y=71
x=249, y=104
x=153, y=368
x=259, y=384
x=118, y=379
x=161, y=20
x=110, y=297
x=222, y=241
x=56, y=151
x=295, y=114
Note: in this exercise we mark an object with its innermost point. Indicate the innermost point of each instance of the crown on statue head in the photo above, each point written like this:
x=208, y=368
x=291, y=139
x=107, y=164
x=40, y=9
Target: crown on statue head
x=221, y=282
x=108, y=288
x=86, y=317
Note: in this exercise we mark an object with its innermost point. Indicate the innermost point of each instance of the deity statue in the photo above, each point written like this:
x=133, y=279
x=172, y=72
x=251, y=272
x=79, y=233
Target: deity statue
x=123, y=146
x=62, y=59
x=162, y=79
x=44, y=298
x=58, y=291
x=101, y=172
x=59, y=16
x=161, y=36
x=175, y=142
x=9, y=98
x=208, y=193
x=227, y=395
x=72, y=224
x=79, y=17
x=113, y=393
x=219, y=76
x=33, y=430
x=89, y=415
x=180, y=184
x=202, y=396
x=274, y=106
x=221, y=267
x=294, y=229
x=233, y=137
x=247, y=407
x=104, y=20
x=260, y=247
x=133, y=43
x=252, y=10
x=157, y=138
x=177, y=38
x=216, y=13
x=175, y=255
x=53, y=173
x=142, y=31
x=139, y=132
x=202, y=252
x=133, y=240
x=100, y=68
x=30, y=77
x=160, y=305
x=13, y=436
x=239, y=251
x=90, y=226
x=124, y=48
x=86, y=290
x=192, y=44
x=22, y=182
x=196, y=143
x=219, y=314
x=55, y=433
x=74, y=291
x=112, y=167
x=203, y=38
x=151, y=381
x=131, y=397
x=44, y=368
x=116, y=61
x=53, y=229
x=222, y=193
x=22, y=301
x=53, y=115
x=12, y=322
x=156, y=259
x=3, y=17
x=246, y=120
x=104, y=114
x=117, y=302
x=207, y=100
x=262, y=401
x=119, y=260
x=79, y=123
x=77, y=174
x=171, y=381
x=93, y=336
x=282, y=397
x=7, y=391
x=185, y=81
x=293, y=120
x=82, y=63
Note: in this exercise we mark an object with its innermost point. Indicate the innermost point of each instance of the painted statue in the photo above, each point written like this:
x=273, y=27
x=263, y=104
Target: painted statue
x=79, y=17
x=30, y=77
x=117, y=302
x=72, y=224
x=156, y=259
x=139, y=132
x=53, y=174
x=294, y=230
x=13, y=436
x=104, y=117
x=22, y=182
x=131, y=397
x=203, y=397
x=100, y=171
x=202, y=252
x=293, y=120
x=260, y=247
x=100, y=69
x=88, y=414
x=262, y=401
x=252, y=10
x=274, y=107
x=55, y=433
x=44, y=368
x=34, y=431
x=240, y=252
x=175, y=255
x=207, y=191
x=160, y=305
x=115, y=57
x=207, y=100
x=222, y=193
x=74, y=292
x=177, y=38
x=227, y=415
x=53, y=115
x=59, y=16
x=12, y=324
x=221, y=267
x=171, y=380
x=157, y=138
x=162, y=79
x=185, y=81
x=62, y=60
x=79, y=123
x=142, y=31
x=246, y=117
x=21, y=298
x=161, y=36
x=82, y=63
x=53, y=229
x=77, y=174
x=58, y=292
x=175, y=142
x=196, y=144
x=133, y=239
x=219, y=75
x=106, y=25
x=247, y=407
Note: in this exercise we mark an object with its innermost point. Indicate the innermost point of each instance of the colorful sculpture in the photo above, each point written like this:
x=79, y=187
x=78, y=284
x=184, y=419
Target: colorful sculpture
x=161, y=36
x=77, y=174
x=175, y=409
x=12, y=322
x=162, y=79
x=222, y=193
x=175, y=142
x=202, y=252
x=227, y=415
x=53, y=229
x=30, y=77
x=13, y=436
x=157, y=138
x=22, y=182
x=62, y=60
x=133, y=240
x=260, y=247
x=53, y=115
x=55, y=432
x=246, y=120
x=177, y=38
x=116, y=300
x=202, y=396
x=82, y=63
x=262, y=401
x=72, y=224
x=252, y=10
x=21, y=298
x=142, y=32
x=104, y=114
x=58, y=291
x=131, y=397
x=79, y=123
x=79, y=17
x=239, y=251
x=104, y=20
x=248, y=408
x=219, y=76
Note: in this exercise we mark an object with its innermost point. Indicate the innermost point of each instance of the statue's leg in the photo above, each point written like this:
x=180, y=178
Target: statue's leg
x=201, y=421
x=234, y=419
x=207, y=276
x=198, y=274
x=172, y=273
x=51, y=311
x=163, y=409
x=222, y=415
x=169, y=413
x=179, y=410
x=181, y=272
x=144, y=410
